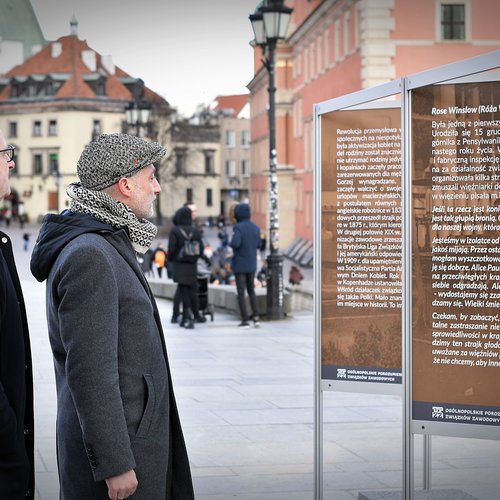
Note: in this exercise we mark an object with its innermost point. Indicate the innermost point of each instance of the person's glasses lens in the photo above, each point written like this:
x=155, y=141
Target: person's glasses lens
x=9, y=152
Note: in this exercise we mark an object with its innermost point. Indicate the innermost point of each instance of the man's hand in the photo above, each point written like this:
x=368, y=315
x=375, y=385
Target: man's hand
x=122, y=486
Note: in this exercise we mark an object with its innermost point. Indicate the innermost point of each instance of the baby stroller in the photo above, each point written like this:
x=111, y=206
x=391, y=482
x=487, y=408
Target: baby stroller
x=203, y=273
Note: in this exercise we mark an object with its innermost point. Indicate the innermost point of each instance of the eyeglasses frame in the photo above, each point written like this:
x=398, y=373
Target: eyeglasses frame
x=10, y=152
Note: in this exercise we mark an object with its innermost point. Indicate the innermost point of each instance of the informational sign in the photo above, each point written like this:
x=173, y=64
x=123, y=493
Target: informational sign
x=456, y=253
x=361, y=245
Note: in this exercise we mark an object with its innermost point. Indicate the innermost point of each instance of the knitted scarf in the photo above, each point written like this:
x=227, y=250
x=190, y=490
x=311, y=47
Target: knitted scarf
x=103, y=207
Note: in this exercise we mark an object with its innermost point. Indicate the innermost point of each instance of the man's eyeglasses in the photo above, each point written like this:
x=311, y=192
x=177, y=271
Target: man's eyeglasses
x=9, y=152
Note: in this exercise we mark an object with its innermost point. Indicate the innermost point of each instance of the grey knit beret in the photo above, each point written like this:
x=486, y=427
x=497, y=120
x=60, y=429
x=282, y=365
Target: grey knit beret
x=110, y=157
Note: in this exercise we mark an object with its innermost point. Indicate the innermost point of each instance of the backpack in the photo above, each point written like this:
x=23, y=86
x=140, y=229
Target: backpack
x=190, y=250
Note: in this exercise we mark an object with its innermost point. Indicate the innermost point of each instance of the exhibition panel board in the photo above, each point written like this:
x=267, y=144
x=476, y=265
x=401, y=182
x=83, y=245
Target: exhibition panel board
x=358, y=244
x=407, y=241
x=455, y=170
x=361, y=247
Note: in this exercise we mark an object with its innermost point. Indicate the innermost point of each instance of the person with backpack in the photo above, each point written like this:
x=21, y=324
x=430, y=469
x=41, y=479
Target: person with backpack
x=176, y=309
x=185, y=246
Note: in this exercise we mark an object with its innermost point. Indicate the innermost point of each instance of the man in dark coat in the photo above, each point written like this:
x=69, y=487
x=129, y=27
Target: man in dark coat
x=184, y=269
x=16, y=380
x=118, y=429
x=245, y=243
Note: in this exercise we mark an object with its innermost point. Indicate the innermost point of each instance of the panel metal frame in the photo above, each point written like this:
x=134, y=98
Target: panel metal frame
x=469, y=70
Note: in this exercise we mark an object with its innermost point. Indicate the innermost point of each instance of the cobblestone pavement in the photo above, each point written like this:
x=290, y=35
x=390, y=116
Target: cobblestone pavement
x=246, y=400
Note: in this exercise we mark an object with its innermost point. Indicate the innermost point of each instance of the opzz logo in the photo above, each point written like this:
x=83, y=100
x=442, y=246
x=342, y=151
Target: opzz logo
x=437, y=412
x=341, y=373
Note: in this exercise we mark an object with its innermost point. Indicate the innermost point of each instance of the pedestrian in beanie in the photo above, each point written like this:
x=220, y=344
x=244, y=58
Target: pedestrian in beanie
x=118, y=429
x=245, y=242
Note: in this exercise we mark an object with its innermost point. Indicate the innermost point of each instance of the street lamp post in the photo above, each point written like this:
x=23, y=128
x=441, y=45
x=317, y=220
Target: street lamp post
x=270, y=24
x=137, y=115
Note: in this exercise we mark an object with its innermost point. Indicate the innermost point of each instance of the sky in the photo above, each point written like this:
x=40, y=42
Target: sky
x=188, y=51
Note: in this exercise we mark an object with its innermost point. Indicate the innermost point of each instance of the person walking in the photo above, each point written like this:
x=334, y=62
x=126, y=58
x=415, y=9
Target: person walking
x=17, y=466
x=160, y=259
x=245, y=242
x=26, y=241
x=118, y=428
x=146, y=262
x=184, y=270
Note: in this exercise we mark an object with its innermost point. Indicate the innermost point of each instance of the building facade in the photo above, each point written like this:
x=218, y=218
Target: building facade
x=51, y=106
x=54, y=102
x=195, y=174
x=335, y=47
x=234, y=123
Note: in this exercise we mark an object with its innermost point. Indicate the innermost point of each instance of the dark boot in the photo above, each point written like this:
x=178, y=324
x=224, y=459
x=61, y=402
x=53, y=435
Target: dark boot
x=187, y=319
x=200, y=318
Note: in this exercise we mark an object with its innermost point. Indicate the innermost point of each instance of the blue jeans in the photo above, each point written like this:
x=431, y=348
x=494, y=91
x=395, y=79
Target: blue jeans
x=244, y=281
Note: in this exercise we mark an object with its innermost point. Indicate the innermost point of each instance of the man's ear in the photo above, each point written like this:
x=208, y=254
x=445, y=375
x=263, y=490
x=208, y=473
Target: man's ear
x=125, y=187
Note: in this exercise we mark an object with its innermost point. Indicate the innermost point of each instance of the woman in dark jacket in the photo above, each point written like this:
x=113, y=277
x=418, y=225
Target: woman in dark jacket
x=184, y=268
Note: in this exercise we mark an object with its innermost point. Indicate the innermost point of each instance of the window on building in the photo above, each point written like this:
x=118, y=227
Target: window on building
x=180, y=161
x=297, y=118
x=326, y=46
x=209, y=162
x=306, y=64
x=308, y=210
x=453, y=21
x=100, y=88
x=356, y=29
x=210, y=200
x=245, y=138
x=54, y=164
x=308, y=150
x=336, y=39
x=230, y=168
x=347, y=33
x=312, y=69
x=37, y=128
x=230, y=139
x=49, y=88
x=12, y=129
x=297, y=64
x=96, y=129
x=245, y=168
x=189, y=194
x=319, y=55
x=37, y=164
x=52, y=127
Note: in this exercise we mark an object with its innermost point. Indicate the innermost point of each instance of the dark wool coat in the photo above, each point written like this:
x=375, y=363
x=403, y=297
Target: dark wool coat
x=245, y=241
x=183, y=273
x=116, y=407
x=16, y=385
